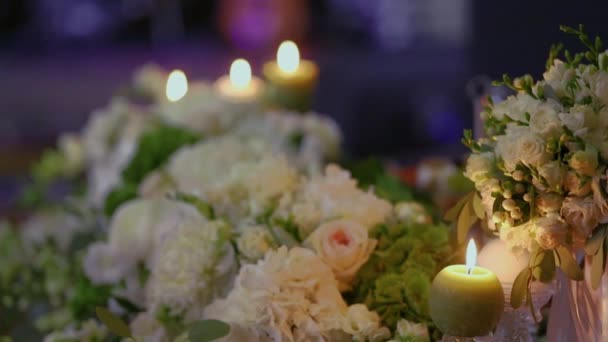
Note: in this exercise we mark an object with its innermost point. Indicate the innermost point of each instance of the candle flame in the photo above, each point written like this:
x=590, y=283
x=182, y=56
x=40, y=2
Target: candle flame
x=288, y=56
x=177, y=85
x=471, y=255
x=240, y=73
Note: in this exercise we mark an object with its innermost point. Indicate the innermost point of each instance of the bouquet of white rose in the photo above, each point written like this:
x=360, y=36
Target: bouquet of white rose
x=540, y=172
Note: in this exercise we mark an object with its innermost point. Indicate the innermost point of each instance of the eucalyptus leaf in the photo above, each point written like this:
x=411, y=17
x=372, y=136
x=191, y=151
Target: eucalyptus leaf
x=592, y=246
x=452, y=214
x=208, y=330
x=113, y=322
x=597, y=266
x=466, y=219
x=568, y=264
x=545, y=270
x=478, y=206
x=520, y=288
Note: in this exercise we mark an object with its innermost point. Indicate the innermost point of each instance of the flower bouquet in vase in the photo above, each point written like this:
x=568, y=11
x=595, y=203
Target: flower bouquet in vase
x=540, y=175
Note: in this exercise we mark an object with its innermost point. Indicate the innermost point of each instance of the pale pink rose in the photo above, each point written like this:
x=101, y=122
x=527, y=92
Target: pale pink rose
x=582, y=215
x=551, y=231
x=344, y=246
x=575, y=187
x=549, y=202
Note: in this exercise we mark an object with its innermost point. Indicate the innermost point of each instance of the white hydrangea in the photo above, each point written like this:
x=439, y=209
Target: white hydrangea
x=196, y=264
x=237, y=177
x=307, y=140
x=290, y=295
x=336, y=195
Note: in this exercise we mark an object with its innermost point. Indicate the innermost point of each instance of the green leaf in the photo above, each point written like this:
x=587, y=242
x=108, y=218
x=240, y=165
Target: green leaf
x=568, y=264
x=478, y=207
x=113, y=322
x=520, y=288
x=545, y=270
x=592, y=246
x=208, y=330
x=203, y=207
x=597, y=266
x=127, y=305
x=466, y=219
x=452, y=214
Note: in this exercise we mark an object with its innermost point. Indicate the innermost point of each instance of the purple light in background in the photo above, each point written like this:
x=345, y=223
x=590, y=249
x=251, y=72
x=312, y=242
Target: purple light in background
x=254, y=28
x=445, y=126
x=83, y=19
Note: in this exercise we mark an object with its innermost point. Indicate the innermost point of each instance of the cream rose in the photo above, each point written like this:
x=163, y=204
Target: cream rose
x=575, y=186
x=254, y=242
x=582, y=215
x=553, y=173
x=545, y=122
x=523, y=146
x=344, y=246
x=549, y=202
x=551, y=231
x=479, y=166
x=584, y=162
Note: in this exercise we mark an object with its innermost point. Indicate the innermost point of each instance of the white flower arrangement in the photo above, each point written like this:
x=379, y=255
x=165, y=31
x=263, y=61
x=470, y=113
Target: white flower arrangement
x=541, y=171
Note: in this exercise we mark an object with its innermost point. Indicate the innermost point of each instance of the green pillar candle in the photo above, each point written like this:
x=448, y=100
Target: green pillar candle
x=466, y=301
x=290, y=81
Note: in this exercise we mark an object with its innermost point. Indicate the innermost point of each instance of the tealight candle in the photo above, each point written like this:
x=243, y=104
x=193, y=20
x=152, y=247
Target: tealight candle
x=291, y=81
x=466, y=300
x=240, y=86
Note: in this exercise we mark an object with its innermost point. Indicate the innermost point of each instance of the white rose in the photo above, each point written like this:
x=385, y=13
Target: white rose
x=516, y=107
x=412, y=212
x=254, y=242
x=479, y=166
x=575, y=122
x=551, y=231
x=600, y=86
x=553, y=173
x=575, y=186
x=584, y=162
x=344, y=246
x=522, y=146
x=545, y=122
x=558, y=76
x=582, y=215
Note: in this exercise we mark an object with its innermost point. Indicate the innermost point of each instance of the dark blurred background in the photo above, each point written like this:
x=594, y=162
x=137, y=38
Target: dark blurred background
x=397, y=75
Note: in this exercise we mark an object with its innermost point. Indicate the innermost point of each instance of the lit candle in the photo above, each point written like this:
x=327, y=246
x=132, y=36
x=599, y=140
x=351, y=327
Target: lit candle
x=240, y=86
x=291, y=81
x=177, y=86
x=466, y=300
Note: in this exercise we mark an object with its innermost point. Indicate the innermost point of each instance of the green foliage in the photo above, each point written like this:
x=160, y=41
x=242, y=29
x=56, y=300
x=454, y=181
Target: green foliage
x=87, y=297
x=113, y=322
x=118, y=196
x=208, y=330
x=396, y=280
x=203, y=207
x=154, y=149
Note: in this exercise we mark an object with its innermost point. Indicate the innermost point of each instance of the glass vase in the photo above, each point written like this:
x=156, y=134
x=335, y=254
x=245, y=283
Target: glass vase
x=579, y=312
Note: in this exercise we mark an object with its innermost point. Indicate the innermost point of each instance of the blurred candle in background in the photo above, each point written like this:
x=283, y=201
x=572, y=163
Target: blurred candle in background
x=240, y=85
x=291, y=80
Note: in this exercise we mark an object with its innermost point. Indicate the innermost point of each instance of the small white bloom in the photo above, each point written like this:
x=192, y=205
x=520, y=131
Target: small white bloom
x=584, y=162
x=406, y=329
x=254, y=242
x=412, y=212
x=89, y=330
x=364, y=325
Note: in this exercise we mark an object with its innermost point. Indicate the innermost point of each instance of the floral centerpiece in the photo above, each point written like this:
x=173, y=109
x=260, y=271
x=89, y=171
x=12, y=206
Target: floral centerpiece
x=205, y=219
x=540, y=171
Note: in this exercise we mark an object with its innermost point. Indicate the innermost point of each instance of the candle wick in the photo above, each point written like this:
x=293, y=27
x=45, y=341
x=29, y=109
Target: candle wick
x=469, y=270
